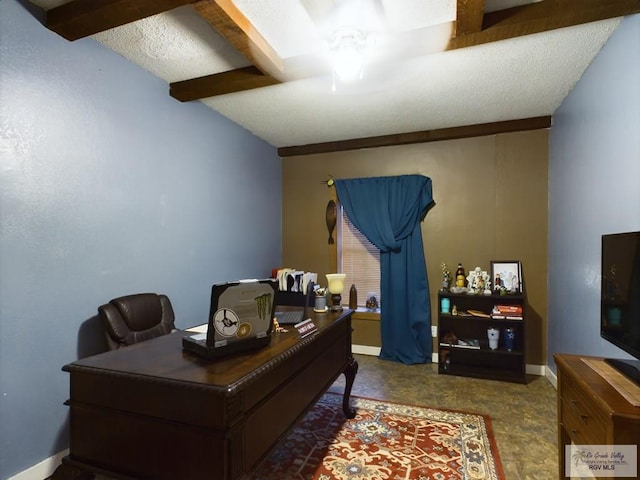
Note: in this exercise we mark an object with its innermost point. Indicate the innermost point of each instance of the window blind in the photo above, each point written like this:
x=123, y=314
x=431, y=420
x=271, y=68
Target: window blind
x=359, y=259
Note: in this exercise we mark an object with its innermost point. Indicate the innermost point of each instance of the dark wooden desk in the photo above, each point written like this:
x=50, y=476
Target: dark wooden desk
x=153, y=411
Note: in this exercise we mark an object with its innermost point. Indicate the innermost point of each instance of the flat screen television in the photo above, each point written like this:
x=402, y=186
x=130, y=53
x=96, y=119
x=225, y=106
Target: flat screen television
x=620, y=299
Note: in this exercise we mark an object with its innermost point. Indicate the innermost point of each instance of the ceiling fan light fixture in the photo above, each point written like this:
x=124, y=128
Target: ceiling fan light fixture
x=347, y=49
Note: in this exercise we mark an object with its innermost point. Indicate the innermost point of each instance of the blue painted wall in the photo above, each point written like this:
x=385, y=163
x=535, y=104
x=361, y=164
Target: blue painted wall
x=594, y=188
x=108, y=187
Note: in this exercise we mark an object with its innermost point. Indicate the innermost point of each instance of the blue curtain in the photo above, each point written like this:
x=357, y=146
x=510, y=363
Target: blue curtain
x=388, y=211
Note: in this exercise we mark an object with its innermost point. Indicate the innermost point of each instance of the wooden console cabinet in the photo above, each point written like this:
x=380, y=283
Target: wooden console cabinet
x=590, y=410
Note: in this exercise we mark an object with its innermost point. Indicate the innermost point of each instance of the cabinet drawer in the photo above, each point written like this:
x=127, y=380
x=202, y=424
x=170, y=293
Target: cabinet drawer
x=581, y=427
x=581, y=415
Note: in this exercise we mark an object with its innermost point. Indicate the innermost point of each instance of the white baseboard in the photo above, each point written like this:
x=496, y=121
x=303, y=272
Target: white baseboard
x=536, y=370
x=44, y=469
x=365, y=350
x=375, y=351
x=552, y=377
x=540, y=370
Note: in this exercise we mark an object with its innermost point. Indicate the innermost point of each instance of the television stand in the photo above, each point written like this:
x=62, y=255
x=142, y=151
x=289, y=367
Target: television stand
x=623, y=385
x=591, y=410
x=630, y=368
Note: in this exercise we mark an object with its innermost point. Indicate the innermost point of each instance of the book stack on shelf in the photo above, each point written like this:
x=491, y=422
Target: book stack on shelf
x=508, y=312
x=468, y=343
x=450, y=340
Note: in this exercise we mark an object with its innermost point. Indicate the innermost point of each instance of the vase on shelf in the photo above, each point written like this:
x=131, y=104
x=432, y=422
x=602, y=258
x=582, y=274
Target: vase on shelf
x=445, y=304
x=353, y=297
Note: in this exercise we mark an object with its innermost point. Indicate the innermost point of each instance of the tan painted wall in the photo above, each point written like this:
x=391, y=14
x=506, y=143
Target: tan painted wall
x=490, y=204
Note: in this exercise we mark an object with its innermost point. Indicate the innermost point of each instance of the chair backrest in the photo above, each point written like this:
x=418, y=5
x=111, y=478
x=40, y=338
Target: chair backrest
x=136, y=318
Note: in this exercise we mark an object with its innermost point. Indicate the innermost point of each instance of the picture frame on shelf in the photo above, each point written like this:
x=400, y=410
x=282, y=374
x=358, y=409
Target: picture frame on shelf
x=506, y=274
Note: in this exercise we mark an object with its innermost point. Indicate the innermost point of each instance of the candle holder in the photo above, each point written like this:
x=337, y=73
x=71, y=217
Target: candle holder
x=336, y=285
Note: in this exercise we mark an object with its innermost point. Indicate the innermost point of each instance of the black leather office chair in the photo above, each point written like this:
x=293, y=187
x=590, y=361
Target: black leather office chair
x=136, y=318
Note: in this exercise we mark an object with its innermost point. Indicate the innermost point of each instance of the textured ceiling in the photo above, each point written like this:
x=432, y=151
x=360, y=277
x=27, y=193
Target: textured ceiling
x=413, y=90
x=512, y=79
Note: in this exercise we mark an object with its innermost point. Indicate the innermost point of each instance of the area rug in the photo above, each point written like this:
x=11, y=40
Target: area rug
x=385, y=441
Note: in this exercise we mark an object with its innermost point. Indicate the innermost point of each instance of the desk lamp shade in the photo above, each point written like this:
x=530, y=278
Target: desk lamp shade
x=336, y=285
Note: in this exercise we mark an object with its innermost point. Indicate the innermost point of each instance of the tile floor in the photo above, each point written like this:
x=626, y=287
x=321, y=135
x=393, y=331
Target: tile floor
x=523, y=416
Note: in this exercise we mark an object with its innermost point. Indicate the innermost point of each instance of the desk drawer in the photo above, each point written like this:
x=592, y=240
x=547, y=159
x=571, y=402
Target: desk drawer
x=584, y=421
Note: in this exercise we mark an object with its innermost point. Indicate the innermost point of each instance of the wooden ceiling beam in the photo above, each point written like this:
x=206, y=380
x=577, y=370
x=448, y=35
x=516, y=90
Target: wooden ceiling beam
x=235, y=28
x=237, y=80
x=425, y=136
x=514, y=22
x=81, y=18
x=542, y=17
x=469, y=16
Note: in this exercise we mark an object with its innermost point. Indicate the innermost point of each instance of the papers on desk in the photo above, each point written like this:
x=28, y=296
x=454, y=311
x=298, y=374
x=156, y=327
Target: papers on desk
x=292, y=280
x=199, y=328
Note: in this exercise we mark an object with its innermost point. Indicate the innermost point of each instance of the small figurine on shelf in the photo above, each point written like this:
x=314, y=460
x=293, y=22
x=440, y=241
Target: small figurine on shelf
x=472, y=280
x=497, y=284
x=484, y=283
x=480, y=285
x=515, y=285
x=450, y=338
x=446, y=277
x=479, y=282
x=372, y=301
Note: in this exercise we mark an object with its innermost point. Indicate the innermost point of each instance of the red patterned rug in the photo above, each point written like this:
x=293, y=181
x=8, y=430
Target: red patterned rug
x=385, y=441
